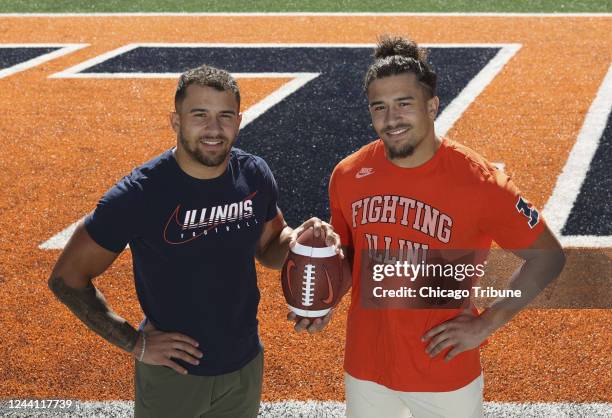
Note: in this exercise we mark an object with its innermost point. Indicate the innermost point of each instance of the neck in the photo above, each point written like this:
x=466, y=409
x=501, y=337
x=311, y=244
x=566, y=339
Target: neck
x=423, y=152
x=195, y=168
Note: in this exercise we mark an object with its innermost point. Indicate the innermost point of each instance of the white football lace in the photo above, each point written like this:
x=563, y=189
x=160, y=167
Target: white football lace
x=308, y=285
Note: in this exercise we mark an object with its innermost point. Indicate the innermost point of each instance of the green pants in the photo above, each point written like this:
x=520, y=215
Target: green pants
x=162, y=392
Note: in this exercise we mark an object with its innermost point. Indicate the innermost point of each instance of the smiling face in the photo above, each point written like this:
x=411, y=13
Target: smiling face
x=206, y=123
x=402, y=114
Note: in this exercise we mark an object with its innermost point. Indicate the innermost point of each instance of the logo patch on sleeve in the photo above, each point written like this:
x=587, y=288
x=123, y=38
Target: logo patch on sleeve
x=531, y=213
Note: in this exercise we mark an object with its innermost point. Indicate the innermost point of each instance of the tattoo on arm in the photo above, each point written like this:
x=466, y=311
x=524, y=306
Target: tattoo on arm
x=90, y=306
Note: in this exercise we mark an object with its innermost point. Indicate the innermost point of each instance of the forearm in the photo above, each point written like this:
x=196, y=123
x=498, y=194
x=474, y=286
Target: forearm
x=90, y=306
x=275, y=253
x=531, y=278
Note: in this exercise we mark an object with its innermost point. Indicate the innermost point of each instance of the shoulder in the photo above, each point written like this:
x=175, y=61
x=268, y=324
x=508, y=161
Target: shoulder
x=156, y=166
x=250, y=164
x=144, y=177
x=356, y=161
x=465, y=163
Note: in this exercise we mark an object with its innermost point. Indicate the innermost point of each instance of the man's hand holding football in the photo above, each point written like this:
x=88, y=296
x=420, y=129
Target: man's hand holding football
x=319, y=227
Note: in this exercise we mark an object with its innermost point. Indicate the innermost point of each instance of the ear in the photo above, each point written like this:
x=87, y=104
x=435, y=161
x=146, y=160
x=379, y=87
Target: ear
x=433, y=105
x=175, y=122
x=239, y=120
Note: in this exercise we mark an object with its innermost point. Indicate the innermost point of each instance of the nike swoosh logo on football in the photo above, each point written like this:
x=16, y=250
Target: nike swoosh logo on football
x=330, y=289
x=290, y=265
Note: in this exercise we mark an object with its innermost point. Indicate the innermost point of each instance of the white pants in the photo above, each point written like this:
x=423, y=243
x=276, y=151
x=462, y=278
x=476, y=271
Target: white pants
x=365, y=399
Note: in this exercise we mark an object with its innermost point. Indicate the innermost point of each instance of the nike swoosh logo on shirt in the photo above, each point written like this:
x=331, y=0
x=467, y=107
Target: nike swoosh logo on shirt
x=364, y=172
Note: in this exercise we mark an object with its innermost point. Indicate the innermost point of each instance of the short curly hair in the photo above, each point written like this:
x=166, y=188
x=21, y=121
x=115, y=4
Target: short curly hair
x=397, y=55
x=205, y=75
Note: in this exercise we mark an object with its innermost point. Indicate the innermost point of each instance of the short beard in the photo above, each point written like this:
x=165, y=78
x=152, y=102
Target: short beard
x=400, y=152
x=198, y=155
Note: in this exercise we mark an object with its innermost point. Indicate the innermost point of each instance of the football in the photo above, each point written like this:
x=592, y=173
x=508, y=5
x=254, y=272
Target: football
x=314, y=277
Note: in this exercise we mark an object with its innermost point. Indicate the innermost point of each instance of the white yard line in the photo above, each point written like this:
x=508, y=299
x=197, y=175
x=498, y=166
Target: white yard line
x=331, y=409
x=63, y=50
x=455, y=109
x=566, y=190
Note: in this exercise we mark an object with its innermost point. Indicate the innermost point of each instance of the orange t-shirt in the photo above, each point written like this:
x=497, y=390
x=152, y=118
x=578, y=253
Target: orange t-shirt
x=456, y=200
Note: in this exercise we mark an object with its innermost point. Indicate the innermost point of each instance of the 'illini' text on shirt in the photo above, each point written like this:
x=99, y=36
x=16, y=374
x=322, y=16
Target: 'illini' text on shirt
x=406, y=212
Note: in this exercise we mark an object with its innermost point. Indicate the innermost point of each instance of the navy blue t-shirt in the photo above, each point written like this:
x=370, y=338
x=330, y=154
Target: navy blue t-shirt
x=193, y=245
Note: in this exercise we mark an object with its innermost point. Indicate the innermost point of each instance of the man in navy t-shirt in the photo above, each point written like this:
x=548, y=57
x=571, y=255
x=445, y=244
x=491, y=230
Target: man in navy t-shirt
x=195, y=218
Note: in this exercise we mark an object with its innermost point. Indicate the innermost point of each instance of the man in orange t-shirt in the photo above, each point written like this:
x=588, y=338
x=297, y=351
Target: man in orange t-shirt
x=404, y=197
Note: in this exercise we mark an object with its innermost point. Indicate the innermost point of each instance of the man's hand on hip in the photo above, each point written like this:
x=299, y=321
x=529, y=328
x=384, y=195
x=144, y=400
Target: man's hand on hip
x=162, y=347
x=464, y=332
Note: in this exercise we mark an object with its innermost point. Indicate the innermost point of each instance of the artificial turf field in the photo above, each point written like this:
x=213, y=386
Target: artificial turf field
x=529, y=92
x=394, y=6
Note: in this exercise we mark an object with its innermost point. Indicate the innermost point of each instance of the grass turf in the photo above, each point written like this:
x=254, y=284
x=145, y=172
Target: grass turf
x=524, y=6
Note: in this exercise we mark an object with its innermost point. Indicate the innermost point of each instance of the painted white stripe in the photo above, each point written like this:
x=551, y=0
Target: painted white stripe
x=546, y=409
x=77, y=71
x=293, y=45
x=175, y=76
x=309, y=314
x=59, y=240
x=335, y=409
x=302, y=14
x=558, y=208
x=586, y=241
x=313, y=252
x=455, y=109
x=64, y=49
x=277, y=96
x=94, y=61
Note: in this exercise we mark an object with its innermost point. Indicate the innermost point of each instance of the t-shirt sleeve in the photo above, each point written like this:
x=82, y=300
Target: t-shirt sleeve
x=114, y=221
x=271, y=189
x=508, y=217
x=338, y=220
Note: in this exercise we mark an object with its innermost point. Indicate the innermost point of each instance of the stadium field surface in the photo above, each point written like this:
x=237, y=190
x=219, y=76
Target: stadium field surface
x=521, y=6
x=86, y=98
